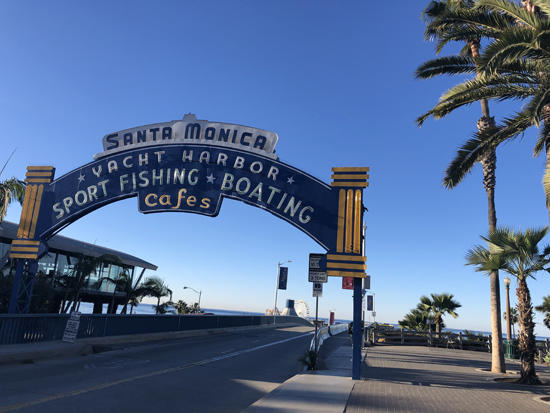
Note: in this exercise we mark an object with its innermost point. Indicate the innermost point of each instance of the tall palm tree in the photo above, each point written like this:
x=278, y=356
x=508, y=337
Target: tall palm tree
x=156, y=287
x=515, y=65
x=545, y=309
x=437, y=306
x=517, y=253
x=456, y=20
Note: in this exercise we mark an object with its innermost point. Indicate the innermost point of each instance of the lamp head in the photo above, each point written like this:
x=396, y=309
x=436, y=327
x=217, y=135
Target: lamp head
x=507, y=281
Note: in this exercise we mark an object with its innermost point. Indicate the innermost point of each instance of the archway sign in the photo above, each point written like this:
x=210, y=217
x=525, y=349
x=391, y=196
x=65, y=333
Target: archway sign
x=191, y=165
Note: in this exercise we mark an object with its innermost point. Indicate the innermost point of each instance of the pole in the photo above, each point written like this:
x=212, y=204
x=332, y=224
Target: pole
x=200, y=294
x=508, y=324
x=276, y=290
x=316, y=320
x=373, y=308
x=356, y=350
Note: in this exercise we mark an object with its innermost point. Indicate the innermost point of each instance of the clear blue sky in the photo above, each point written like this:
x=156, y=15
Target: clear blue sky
x=334, y=80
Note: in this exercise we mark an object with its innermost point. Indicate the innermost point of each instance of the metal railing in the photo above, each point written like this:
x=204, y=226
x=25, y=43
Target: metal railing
x=325, y=332
x=34, y=328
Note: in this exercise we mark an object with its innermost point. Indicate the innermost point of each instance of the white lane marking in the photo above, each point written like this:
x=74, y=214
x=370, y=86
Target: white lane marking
x=143, y=376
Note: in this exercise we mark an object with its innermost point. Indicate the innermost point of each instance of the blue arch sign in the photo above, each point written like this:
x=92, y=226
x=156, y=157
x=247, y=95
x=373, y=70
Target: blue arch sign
x=192, y=165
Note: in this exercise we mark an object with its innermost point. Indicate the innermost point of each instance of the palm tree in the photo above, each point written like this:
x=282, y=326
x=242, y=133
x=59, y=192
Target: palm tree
x=456, y=20
x=515, y=65
x=437, y=306
x=513, y=319
x=417, y=320
x=156, y=287
x=545, y=309
x=181, y=307
x=78, y=278
x=517, y=253
x=10, y=190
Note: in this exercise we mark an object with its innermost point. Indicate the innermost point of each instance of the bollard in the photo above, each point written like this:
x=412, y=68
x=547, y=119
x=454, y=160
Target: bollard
x=460, y=340
x=489, y=339
x=402, y=337
x=430, y=337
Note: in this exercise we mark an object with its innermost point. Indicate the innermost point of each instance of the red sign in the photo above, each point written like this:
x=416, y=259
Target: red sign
x=347, y=283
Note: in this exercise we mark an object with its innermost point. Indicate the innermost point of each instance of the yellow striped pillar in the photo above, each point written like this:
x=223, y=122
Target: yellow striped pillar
x=348, y=260
x=27, y=243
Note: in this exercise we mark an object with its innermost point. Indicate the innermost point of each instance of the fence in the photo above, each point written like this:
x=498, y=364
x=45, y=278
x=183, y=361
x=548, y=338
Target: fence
x=32, y=328
x=449, y=340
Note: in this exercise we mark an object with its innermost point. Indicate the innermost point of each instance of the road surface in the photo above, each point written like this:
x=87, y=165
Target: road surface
x=215, y=373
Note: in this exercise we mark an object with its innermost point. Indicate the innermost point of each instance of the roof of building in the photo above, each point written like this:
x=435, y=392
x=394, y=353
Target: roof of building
x=59, y=242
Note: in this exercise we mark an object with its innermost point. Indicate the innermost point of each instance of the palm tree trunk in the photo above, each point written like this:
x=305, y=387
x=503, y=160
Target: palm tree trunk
x=546, y=176
x=526, y=338
x=489, y=180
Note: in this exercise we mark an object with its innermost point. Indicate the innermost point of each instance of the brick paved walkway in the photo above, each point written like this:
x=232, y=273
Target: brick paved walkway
x=422, y=379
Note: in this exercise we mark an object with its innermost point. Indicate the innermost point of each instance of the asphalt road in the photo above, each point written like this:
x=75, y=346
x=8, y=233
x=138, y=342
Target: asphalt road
x=216, y=373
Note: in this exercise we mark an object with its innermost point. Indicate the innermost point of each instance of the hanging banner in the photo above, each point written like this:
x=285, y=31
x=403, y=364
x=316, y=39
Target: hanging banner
x=283, y=277
x=370, y=303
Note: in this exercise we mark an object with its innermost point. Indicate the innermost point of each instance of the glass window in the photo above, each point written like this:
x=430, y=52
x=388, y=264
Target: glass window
x=46, y=264
x=65, y=264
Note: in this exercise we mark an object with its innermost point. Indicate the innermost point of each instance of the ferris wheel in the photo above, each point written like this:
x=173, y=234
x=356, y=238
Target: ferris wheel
x=302, y=309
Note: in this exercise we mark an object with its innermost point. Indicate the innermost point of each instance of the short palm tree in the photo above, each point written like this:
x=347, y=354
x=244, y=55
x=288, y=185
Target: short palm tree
x=156, y=287
x=10, y=190
x=417, y=320
x=78, y=279
x=513, y=319
x=518, y=254
x=545, y=309
x=437, y=306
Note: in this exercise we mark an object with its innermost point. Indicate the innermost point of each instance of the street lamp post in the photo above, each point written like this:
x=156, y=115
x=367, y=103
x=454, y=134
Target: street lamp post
x=508, y=323
x=277, y=286
x=198, y=292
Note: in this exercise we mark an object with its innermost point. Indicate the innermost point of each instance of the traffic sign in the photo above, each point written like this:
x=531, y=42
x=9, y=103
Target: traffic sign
x=347, y=283
x=317, y=268
x=366, y=283
x=317, y=289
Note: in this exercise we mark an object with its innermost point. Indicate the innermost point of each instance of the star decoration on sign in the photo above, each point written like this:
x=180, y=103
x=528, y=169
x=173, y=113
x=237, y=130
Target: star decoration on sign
x=80, y=177
x=290, y=180
x=210, y=179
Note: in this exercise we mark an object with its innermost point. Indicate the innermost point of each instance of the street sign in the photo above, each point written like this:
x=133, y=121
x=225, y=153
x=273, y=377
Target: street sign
x=317, y=268
x=71, y=329
x=366, y=283
x=347, y=283
x=283, y=277
x=370, y=303
x=318, y=289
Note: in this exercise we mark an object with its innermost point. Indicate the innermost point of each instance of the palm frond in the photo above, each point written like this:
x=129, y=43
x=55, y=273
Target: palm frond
x=448, y=65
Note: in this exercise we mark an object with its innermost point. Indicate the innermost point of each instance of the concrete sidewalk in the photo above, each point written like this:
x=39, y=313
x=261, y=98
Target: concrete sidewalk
x=406, y=379
x=322, y=391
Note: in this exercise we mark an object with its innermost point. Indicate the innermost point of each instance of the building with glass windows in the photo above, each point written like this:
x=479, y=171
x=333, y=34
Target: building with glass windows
x=60, y=260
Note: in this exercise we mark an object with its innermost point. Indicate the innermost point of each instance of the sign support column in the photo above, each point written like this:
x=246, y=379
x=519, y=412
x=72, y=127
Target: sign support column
x=348, y=259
